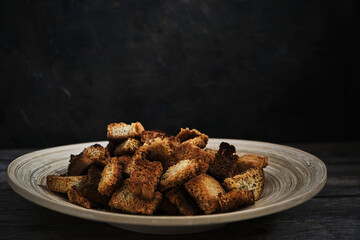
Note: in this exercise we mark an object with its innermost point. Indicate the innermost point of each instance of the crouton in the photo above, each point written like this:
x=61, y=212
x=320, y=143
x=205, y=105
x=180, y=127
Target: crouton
x=212, y=151
x=78, y=164
x=144, y=178
x=90, y=190
x=111, y=176
x=224, y=161
x=77, y=198
x=193, y=137
x=167, y=207
x=110, y=147
x=205, y=190
x=248, y=161
x=63, y=184
x=160, y=149
x=152, y=134
x=124, y=200
x=235, y=199
x=97, y=154
x=188, y=151
x=182, y=200
x=178, y=174
x=127, y=147
x=252, y=180
x=122, y=131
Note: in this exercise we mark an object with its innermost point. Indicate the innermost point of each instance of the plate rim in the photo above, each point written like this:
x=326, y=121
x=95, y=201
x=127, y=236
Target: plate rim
x=166, y=221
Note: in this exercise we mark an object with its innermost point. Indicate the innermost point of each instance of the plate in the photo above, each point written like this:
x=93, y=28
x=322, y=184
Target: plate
x=292, y=177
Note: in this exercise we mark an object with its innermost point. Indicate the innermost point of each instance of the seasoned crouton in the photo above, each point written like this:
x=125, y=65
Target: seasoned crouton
x=212, y=151
x=205, y=190
x=77, y=198
x=224, y=161
x=110, y=147
x=188, y=151
x=252, y=180
x=63, y=184
x=152, y=134
x=178, y=174
x=144, y=178
x=160, y=149
x=90, y=190
x=193, y=137
x=124, y=200
x=235, y=199
x=97, y=154
x=182, y=200
x=111, y=176
x=78, y=164
x=122, y=131
x=248, y=161
x=128, y=147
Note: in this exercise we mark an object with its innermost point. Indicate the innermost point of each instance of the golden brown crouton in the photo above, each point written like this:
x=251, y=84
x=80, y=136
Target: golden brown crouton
x=62, y=184
x=77, y=198
x=178, y=174
x=212, y=151
x=188, y=151
x=111, y=176
x=224, y=161
x=182, y=200
x=97, y=154
x=193, y=137
x=144, y=178
x=205, y=190
x=252, y=180
x=124, y=200
x=90, y=190
x=160, y=149
x=78, y=164
x=235, y=199
x=122, y=131
x=152, y=134
x=127, y=147
x=248, y=161
x=110, y=147
x=167, y=207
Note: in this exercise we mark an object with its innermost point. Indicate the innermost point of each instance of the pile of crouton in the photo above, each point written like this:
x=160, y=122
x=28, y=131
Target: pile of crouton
x=154, y=173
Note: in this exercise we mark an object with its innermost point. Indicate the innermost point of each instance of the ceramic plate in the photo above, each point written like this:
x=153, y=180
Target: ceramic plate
x=292, y=177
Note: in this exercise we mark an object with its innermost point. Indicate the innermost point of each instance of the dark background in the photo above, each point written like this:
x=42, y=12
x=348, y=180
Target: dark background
x=278, y=71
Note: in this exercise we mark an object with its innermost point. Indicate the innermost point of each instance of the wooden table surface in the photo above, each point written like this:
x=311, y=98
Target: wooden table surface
x=332, y=214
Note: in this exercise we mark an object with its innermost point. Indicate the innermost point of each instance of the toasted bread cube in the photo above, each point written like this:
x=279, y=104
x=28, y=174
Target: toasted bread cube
x=182, y=200
x=111, y=176
x=193, y=137
x=178, y=174
x=205, y=190
x=248, y=161
x=110, y=147
x=90, y=190
x=152, y=134
x=166, y=206
x=122, y=131
x=144, y=178
x=224, y=161
x=97, y=153
x=188, y=151
x=63, y=184
x=235, y=199
x=77, y=198
x=128, y=147
x=252, y=180
x=212, y=151
x=78, y=164
x=160, y=149
x=124, y=200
